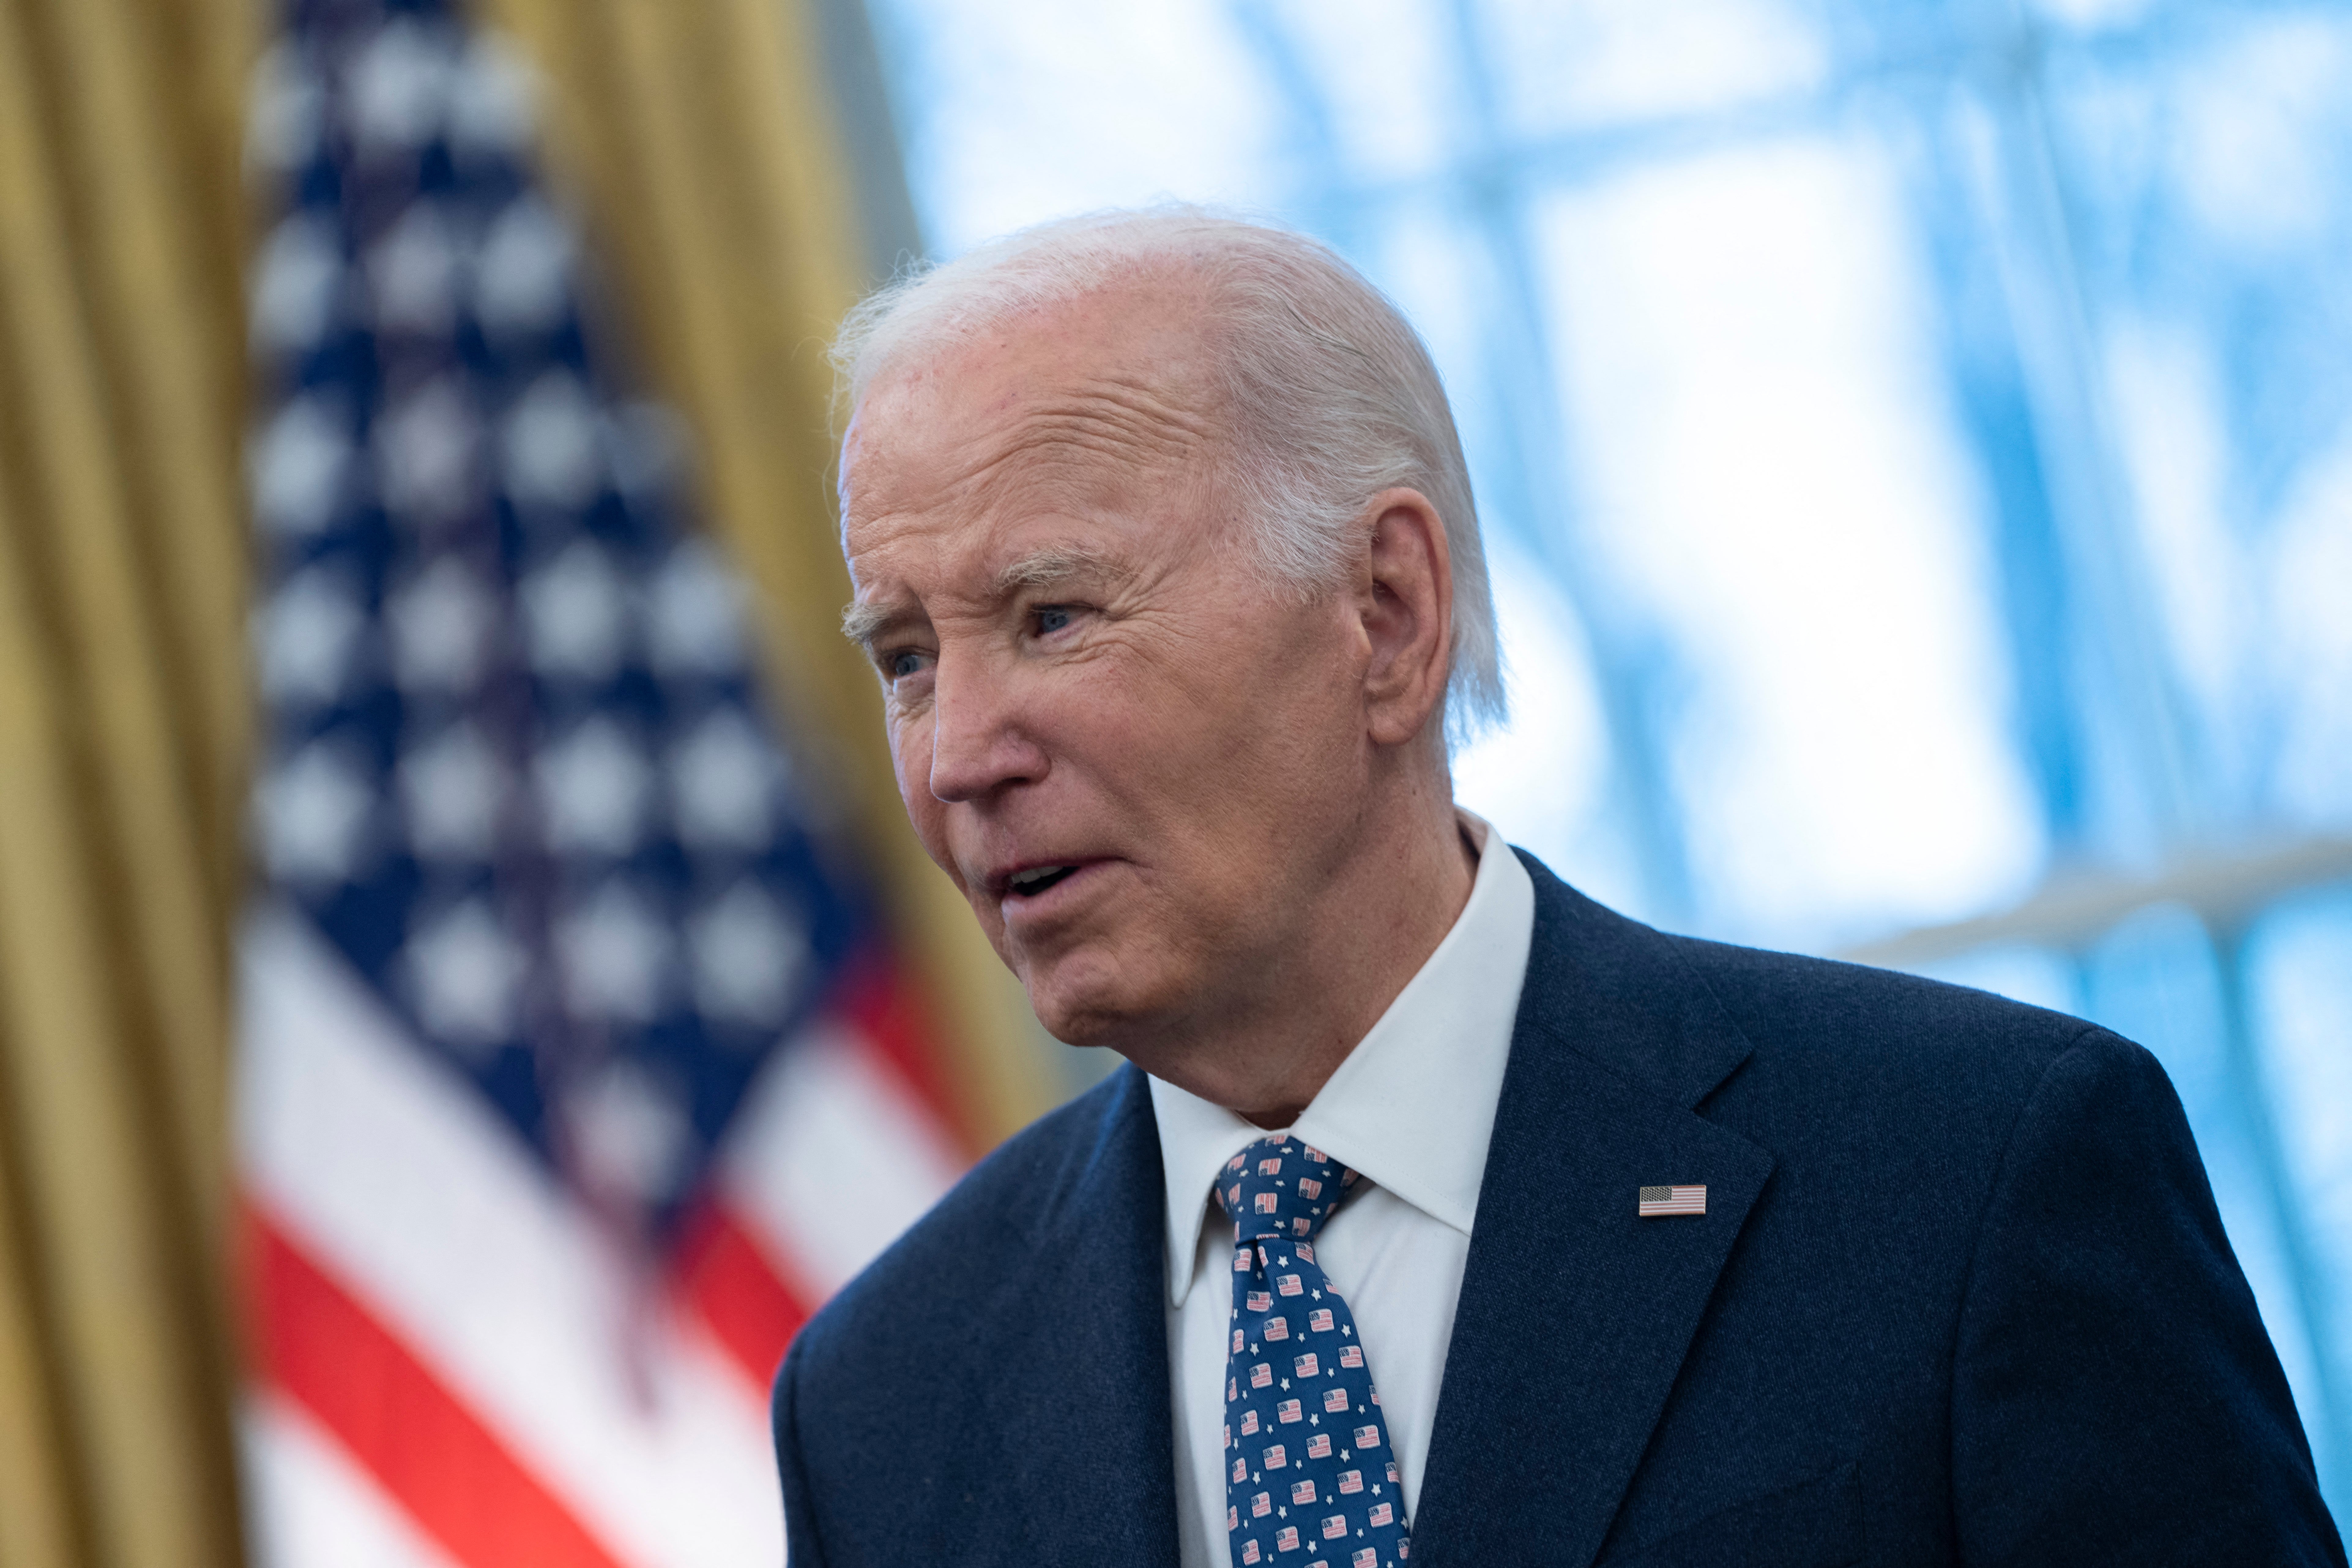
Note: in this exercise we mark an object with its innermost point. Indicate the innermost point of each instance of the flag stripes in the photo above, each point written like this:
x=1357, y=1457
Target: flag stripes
x=324, y=1349
x=734, y=1284
x=378, y=1173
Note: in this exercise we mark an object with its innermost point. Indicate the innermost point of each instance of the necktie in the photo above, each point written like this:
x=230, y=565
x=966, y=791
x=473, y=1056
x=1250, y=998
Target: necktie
x=1311, y=1479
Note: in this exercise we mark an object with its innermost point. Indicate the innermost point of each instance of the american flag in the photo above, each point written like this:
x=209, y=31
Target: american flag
x=1654, y=1202
x=575, y=1069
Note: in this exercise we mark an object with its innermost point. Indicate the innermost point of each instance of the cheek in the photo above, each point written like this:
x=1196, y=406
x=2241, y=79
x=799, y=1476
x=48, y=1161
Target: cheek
x=1264, y=697
x=1122, y=729
x=910, y=761
x=1282, y=755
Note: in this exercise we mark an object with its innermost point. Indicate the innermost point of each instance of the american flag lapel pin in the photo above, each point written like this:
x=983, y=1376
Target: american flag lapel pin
x=1657, y=1203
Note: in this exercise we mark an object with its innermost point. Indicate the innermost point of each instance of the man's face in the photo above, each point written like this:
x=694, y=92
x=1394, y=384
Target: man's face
x=1135, y=759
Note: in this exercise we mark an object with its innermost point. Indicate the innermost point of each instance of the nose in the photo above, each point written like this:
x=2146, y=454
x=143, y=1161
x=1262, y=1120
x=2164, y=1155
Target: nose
x=979, y=744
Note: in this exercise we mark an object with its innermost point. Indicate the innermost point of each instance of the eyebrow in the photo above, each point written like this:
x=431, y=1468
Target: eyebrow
x=864, y=622
x=861, y=624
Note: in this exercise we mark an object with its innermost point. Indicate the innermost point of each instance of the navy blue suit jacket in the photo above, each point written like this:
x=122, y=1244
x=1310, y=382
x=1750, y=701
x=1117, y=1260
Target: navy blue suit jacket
x=1959, y=1296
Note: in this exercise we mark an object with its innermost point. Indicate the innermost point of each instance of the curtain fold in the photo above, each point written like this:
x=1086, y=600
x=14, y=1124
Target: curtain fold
x=123, y=728
x=700, y=143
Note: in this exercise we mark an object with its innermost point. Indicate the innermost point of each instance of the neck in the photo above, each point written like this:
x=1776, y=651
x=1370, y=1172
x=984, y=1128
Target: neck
x=1266, y=1054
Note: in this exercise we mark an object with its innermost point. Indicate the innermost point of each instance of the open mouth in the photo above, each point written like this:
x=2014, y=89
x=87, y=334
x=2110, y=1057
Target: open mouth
x=1036, y=879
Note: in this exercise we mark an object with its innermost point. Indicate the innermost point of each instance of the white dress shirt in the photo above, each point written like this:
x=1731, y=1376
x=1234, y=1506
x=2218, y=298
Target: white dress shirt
x=1410, y=1109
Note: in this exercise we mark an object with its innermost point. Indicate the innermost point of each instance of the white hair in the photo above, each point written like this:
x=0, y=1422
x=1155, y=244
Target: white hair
x=1331, y=396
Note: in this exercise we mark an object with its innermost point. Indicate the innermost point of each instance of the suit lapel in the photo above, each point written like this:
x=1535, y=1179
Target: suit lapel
x=1101, y=1282
x=1575, y=1315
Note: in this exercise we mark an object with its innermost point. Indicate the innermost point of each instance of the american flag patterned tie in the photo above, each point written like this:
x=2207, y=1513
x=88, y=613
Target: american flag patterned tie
x=1310, y=1477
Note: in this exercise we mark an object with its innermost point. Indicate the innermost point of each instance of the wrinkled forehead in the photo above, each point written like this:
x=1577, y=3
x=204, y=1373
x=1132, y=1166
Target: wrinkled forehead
x=1093, y=397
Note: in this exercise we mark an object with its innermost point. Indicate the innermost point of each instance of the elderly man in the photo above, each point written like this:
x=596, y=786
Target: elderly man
x=1442, y=1215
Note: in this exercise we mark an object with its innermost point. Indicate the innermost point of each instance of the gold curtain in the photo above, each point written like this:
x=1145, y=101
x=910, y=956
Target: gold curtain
x=123, y=730
x=697, y=138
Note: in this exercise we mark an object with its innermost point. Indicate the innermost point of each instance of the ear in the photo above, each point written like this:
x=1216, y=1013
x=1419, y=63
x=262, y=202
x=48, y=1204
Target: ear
x=1405, y=602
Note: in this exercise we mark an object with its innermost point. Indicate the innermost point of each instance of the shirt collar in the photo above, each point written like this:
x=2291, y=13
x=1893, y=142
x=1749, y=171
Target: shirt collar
x=1413, y=1106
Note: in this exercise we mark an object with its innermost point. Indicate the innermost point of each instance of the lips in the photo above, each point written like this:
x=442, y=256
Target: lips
x=1035, y=879
x=1031, y=884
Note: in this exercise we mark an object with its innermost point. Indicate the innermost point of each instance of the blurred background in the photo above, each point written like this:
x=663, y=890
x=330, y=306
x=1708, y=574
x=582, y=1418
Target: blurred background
x=466, y=990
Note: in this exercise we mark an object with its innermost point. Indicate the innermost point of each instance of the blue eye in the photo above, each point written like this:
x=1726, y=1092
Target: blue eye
x=1051, y=619
x=903, y=663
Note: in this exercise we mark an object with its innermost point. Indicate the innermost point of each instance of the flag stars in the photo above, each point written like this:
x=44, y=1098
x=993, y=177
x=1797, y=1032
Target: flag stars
x=593, y=786
x=398, y=87
x=453, y=788
x=522, y=276
x=615, y=948
x=695, y=615
x=299, y=466
x=749, y=955
x=442, y=624
x=723, y=784
x=314, y=812
x=305, y=636
x=577, y=611
x=285, y=111
x=412, y=273
x=489, y=101
x=551, y=454
x=466, y=974
x=428, y=454
x=298, y=284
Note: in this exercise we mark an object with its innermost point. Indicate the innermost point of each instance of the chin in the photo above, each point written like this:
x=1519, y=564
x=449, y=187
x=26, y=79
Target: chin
x=1077, y=1020
x=1084, y=999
